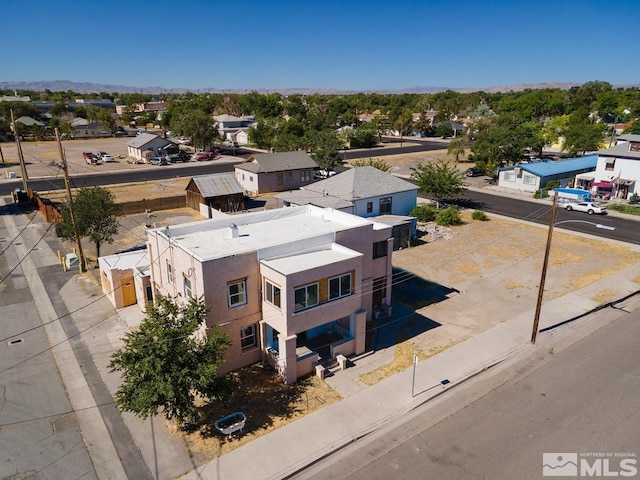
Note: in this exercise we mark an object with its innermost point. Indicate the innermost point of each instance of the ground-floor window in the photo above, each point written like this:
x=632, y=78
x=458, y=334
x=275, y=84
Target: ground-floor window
x=248, y=337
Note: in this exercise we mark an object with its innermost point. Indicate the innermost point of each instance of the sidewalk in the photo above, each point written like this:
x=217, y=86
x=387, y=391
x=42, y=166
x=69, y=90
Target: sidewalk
x=337, y=425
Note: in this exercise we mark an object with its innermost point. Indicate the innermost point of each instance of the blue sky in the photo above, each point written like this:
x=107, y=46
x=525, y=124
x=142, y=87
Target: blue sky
x=347, y=45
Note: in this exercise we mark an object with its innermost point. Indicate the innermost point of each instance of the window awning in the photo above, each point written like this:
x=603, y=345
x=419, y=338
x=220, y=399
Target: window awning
x=625, y=182
x=603, y=184
x=585, y=176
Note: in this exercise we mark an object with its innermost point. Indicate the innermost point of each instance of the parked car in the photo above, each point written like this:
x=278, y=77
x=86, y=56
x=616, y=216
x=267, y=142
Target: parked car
x=106, y=158
x=325, y=173
x=588, y=207
x=159, y=161
x=204, y=156
x=90, y=158
x=179, y=157
x=230, y=144
x=474, y=172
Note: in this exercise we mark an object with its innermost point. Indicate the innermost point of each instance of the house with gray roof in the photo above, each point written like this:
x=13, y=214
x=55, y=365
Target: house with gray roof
x=618, y=168
x=363, y=191
x=275, y=172
x=532, y=176
x=148, y=145
x=221, y=192
x=234, y=128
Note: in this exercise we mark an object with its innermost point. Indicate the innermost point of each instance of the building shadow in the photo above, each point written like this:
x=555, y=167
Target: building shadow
x=403, y=324
x=416, y=292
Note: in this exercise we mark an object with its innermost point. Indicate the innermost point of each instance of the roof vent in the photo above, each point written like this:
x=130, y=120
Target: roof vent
x=232, y=231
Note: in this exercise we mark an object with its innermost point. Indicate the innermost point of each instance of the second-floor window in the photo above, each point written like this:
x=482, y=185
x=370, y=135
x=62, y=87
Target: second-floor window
x=305, y=176
x=272, y=293
x=280, y=178
x=306, y=296
x=340, y=286
x=369, y=207
x=237, y=292
x=187, y=288
x=610, y=164
x=380, y=249
x=169, y=272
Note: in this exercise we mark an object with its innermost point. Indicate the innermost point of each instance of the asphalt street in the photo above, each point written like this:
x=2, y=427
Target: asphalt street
x=582, y=400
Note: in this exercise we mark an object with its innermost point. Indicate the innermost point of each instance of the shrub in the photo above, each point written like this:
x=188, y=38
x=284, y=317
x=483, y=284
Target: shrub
x=449, y=216
x=479, y=215
x=541, y=194
x=424, y=213
x=634, y=199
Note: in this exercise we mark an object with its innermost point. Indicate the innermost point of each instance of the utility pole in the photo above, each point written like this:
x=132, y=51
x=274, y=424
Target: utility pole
x=536, y=318
x=83, y=263
x=23, y=167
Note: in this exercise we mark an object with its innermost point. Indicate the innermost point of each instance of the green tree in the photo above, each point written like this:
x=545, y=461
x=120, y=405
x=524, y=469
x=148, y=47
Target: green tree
x=372, y=162
x=324, y=146
x=94, y=212
x=439, y=180
x=365, y=136
x=165, y=365
x=107, y=120
x=404, y=124
x=198, y=126
x=583, y=136
x=457, y=147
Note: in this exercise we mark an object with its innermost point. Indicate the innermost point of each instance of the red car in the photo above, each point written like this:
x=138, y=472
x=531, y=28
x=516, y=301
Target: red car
x=205, y=156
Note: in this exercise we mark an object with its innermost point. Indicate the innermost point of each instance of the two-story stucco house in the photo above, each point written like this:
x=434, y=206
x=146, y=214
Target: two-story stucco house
x=618, y=168
x=291, y=286
x=275, y=172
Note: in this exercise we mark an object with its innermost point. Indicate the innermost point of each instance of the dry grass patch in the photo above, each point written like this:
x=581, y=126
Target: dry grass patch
x=267, y=403
x=603, y=297
x=514, y=285
x=402, y=359
x=636, y=279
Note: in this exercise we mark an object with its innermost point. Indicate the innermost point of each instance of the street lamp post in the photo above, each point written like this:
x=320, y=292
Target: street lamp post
x=545, y=263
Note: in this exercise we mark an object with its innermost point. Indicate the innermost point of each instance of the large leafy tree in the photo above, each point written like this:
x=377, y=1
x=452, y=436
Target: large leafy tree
x=324, y=146
x=198, y=126
x=582, y=135
x=165, y=365
x=94, y=212
x=107, y=120
x=439, y=180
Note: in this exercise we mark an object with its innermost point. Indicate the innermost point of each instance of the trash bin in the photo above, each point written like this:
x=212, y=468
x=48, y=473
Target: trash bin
x=11, y=174
x=72, y=261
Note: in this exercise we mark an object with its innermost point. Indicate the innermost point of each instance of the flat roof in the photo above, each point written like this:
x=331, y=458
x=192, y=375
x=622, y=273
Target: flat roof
x=270, y=233
x=309, y=260
x=123, y=261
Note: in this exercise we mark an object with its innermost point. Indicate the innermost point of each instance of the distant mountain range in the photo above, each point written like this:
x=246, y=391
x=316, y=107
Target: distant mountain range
x=86, y=87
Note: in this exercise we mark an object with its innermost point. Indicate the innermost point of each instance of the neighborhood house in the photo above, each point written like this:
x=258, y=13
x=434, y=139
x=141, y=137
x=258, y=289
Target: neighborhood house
x=275, y=172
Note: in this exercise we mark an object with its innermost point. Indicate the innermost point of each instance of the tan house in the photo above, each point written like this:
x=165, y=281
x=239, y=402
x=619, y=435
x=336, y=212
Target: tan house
x=275, y=172
x=293, y=286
